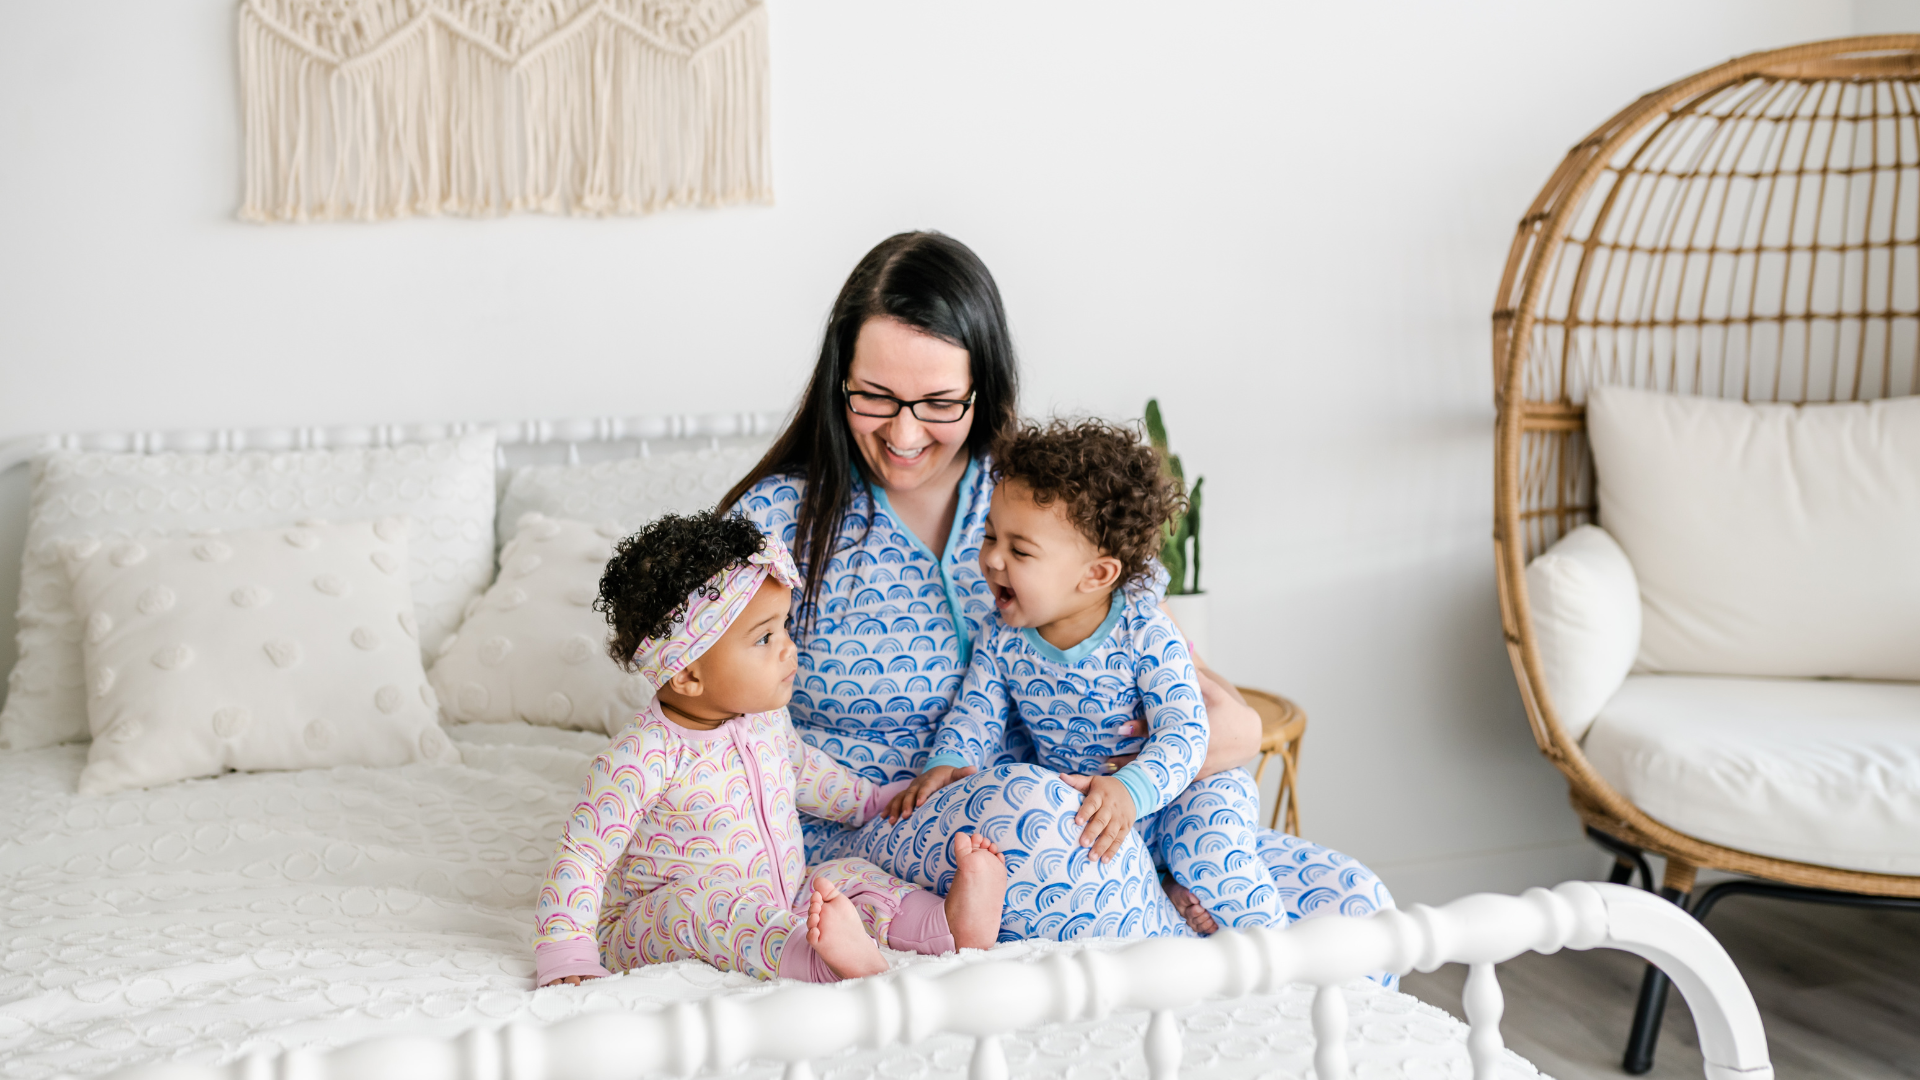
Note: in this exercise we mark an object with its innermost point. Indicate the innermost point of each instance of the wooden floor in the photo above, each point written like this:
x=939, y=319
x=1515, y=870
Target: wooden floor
x=1838, y=989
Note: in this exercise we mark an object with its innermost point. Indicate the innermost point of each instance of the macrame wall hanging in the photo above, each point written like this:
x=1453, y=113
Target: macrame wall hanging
x=377, y=109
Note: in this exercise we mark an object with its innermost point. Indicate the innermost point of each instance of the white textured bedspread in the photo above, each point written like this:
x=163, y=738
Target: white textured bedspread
x=206, y=920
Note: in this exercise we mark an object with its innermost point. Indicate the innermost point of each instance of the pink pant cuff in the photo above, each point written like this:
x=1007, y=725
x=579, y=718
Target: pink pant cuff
x=920, y=925
x=563, y=959
x=799, y=961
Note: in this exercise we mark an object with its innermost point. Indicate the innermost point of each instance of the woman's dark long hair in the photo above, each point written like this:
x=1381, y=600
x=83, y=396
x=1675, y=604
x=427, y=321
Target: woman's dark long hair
x=935, y=284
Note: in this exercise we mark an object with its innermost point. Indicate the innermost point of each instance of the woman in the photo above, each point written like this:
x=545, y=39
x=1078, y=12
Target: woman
x=880, y=488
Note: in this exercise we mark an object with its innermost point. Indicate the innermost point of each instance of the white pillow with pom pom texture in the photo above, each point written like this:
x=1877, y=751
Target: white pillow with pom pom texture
x=533, y=648
x=444, y=489
x=289, y=648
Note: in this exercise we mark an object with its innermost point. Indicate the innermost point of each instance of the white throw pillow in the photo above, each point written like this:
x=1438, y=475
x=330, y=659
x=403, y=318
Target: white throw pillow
x=626, y=493
x=534, y=648
x=290, y=648
x=1768, y=539
x=445, y=488
x=1586, y=621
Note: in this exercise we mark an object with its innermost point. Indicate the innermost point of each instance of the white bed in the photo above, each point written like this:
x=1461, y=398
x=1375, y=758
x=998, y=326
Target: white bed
x=224, y=922
x=213, y=918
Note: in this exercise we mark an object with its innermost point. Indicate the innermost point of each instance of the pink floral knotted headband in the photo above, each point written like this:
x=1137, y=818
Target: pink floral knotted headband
x=710, y=610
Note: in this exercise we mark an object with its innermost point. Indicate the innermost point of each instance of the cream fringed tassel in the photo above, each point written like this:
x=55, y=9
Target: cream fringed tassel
x=377, y=109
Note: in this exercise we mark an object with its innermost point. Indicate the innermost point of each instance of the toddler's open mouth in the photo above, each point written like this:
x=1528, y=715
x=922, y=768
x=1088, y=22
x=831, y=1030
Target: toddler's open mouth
x=1003, y=595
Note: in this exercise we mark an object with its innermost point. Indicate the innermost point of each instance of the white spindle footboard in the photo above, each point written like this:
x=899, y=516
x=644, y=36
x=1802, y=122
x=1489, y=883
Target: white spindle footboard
x=801, y=1024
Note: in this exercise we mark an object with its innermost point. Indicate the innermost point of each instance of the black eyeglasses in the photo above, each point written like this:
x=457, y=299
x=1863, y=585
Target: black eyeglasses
x=926, y=410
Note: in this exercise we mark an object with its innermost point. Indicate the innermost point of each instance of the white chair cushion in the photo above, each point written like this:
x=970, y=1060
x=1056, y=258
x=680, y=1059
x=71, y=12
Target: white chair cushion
x=291, y=648
x=1585, y=605
x=1816, y=771
x=1768, y=539
x=533, y=648
x=444, y=489
x=626, y=493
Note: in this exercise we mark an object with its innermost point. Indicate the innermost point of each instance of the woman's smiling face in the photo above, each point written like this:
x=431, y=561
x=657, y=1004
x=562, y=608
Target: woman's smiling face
x=890, y=357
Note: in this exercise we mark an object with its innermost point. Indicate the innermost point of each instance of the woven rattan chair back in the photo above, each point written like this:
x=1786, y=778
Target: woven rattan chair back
x=1751, y=232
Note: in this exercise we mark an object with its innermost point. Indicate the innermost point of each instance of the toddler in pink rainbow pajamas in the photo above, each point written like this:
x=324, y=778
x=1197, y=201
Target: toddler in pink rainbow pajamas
x=686, y=841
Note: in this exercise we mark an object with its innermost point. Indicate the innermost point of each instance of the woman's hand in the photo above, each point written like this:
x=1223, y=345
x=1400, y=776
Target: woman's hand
x=1106, y=809
x=1233, y=728
x=923, y=788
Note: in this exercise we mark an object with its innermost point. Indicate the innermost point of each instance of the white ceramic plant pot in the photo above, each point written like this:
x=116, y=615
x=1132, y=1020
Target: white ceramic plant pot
x=1190, y=611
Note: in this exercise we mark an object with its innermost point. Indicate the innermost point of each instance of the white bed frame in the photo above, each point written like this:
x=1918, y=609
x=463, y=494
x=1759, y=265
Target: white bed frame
x=532, y=434
x=988, y=999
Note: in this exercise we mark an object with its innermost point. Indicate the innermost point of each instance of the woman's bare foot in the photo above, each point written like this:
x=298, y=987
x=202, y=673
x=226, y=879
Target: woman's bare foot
x=1190, y=907
x=979, y=892
x=837, y=935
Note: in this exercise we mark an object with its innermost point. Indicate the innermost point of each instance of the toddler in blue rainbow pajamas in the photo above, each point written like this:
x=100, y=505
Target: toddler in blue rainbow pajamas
x=1079, y=655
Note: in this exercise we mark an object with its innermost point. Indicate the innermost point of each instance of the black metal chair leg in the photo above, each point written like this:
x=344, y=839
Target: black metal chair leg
x=1645, y=1031
x=1648, y=1012
x=1652, y=1005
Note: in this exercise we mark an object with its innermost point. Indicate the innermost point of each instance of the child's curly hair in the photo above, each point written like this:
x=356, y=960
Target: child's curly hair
x=1110, y=482
x=655, y=571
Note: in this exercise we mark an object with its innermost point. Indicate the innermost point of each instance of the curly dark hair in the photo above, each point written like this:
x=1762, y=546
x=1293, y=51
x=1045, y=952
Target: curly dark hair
x=1111, y=482
x=655, y=571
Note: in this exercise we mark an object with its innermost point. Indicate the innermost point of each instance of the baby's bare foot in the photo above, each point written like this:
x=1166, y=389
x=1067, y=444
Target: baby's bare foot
x=835, y=932
x=1190, y=907
x=979, y=892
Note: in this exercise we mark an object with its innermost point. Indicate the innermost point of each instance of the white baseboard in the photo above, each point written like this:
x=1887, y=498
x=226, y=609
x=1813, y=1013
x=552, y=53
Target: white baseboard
x=1509, y=870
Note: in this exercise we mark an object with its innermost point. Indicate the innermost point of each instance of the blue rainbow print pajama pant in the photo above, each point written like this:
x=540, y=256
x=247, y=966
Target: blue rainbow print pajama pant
x=1291, y=880
x=1207, y=838
x=1056, y=891
x=1219, y=815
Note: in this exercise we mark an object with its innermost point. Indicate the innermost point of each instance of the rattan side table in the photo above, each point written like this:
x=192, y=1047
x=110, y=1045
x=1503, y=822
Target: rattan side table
x=1282, y=725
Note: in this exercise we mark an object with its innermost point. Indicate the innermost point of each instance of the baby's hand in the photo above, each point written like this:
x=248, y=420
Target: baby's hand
x=572, y=980
x=1106, y=810
x=923, y=788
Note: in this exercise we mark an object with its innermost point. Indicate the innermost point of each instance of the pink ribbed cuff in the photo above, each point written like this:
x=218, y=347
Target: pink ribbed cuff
x=921, y=925
x=799, y=961
x=881, y=796
x=563, y=959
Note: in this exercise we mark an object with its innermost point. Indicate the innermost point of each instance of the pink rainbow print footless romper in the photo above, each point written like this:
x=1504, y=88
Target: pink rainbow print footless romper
x=686, y=844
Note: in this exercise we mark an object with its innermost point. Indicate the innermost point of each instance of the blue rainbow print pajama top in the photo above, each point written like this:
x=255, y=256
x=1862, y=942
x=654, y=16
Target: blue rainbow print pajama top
x=890, y=635
x=1074, y=702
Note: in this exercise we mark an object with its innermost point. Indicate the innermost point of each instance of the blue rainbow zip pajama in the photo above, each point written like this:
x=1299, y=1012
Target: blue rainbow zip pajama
x=1074, y=703
x=881, y=664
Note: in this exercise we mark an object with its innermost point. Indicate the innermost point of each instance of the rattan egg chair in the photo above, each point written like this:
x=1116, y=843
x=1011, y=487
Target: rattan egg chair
x=1637, y=265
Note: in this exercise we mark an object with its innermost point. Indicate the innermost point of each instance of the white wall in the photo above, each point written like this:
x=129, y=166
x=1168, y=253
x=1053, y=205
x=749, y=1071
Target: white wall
x=1286, y=220
x=1886, y=16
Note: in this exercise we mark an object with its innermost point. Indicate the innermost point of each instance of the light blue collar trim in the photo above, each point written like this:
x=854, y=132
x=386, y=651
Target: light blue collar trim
x=968, y=480
x=959, y=514
x=944, y=562
x=1085, y=649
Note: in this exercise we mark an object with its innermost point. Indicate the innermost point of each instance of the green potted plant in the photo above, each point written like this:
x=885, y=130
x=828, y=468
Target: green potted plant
x=1180, y=548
